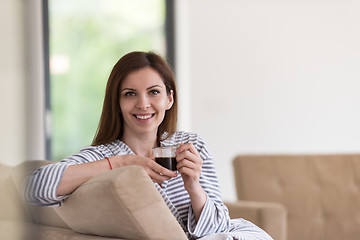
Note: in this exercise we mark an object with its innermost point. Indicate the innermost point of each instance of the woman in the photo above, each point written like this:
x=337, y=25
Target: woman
x=139, y=113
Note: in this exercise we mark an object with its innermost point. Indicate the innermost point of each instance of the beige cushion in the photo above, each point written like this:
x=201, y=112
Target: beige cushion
x=122, y=203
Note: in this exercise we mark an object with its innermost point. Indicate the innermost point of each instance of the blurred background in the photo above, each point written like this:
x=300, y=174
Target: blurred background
x=254, y=77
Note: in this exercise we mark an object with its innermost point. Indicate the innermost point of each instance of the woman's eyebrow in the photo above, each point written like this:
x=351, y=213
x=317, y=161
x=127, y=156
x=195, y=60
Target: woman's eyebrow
x=153, y=87
x=132, y=89
x=129, y=89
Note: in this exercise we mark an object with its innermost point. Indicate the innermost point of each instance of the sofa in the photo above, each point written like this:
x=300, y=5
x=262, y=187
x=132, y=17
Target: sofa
x=321, y=193
x=119, y=204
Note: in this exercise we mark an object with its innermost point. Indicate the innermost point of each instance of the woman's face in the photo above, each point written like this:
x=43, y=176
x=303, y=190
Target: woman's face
x=143, y=102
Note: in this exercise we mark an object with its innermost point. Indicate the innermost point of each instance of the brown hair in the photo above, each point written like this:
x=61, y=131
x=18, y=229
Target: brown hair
x=111, y=125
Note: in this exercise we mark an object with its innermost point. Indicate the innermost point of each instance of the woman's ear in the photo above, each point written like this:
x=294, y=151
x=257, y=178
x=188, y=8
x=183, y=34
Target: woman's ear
x=170, y=100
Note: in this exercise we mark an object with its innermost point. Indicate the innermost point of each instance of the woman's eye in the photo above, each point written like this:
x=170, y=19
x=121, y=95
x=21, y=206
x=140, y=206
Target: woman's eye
x=154, y=92
x=129, y=94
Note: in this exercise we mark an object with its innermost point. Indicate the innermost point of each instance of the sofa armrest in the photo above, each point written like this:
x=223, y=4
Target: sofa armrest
x=271, y=217
x=122, y=203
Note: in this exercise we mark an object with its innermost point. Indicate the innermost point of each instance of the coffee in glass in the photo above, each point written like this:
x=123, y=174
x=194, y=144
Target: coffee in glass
x=166, y=157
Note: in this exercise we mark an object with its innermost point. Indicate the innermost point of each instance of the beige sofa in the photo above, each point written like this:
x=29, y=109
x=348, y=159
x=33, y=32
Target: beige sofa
x=321, y=193
x=119, y=204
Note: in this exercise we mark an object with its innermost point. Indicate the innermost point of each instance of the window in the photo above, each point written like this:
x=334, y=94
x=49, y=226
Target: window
x=86, y=38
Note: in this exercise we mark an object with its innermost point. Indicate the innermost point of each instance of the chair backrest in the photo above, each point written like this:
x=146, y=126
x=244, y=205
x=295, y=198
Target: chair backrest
x=321, y=192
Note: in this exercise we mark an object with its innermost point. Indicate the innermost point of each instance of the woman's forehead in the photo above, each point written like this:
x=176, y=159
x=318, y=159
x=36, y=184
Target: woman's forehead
x=143, y=77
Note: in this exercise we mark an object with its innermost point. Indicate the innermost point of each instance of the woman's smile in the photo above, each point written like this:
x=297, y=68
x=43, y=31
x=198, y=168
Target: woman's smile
x=144, y=116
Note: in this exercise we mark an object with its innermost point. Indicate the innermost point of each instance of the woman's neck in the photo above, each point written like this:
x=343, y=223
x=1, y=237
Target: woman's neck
x=141, y=145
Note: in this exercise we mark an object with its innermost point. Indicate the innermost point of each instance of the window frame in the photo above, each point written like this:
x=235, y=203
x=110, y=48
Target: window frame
x=170, y=56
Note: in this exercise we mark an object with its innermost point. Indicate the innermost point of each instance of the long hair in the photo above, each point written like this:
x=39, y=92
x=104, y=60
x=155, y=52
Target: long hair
x=111, y=124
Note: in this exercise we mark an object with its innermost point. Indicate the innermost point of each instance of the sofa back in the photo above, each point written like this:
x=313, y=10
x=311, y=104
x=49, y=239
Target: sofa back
x=321, y=192
x=12, y=204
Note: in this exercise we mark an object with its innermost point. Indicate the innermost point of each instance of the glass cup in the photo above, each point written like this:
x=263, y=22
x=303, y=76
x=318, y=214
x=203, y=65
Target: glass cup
x=166, y=157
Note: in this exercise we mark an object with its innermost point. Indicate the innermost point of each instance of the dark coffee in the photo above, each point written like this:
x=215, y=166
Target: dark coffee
x=167, y=162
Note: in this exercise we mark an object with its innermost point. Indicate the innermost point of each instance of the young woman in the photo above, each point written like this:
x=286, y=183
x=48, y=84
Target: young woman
x=139, y=113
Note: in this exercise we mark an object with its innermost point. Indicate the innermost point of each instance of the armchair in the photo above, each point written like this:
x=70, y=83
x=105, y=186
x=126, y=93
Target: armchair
x=321, y=193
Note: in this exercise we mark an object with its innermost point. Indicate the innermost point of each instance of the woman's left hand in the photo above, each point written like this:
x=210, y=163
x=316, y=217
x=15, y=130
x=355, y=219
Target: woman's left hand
x=189, y=165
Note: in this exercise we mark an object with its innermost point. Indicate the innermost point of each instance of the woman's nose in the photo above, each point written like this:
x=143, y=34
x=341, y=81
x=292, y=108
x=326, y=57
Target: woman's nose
x=143, y=103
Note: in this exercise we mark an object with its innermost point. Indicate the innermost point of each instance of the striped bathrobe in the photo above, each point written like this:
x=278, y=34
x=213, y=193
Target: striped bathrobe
x=42, y=184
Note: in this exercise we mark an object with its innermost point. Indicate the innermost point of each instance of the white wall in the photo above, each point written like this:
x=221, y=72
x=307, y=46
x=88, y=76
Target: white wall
x=21, y=91
x=271, y=77
x=12, y=124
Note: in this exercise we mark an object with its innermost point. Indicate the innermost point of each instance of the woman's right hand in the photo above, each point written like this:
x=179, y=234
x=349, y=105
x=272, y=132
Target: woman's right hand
x=156, y=172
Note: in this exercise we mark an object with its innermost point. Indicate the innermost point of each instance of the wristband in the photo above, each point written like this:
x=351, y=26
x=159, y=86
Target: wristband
x=109, y=162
